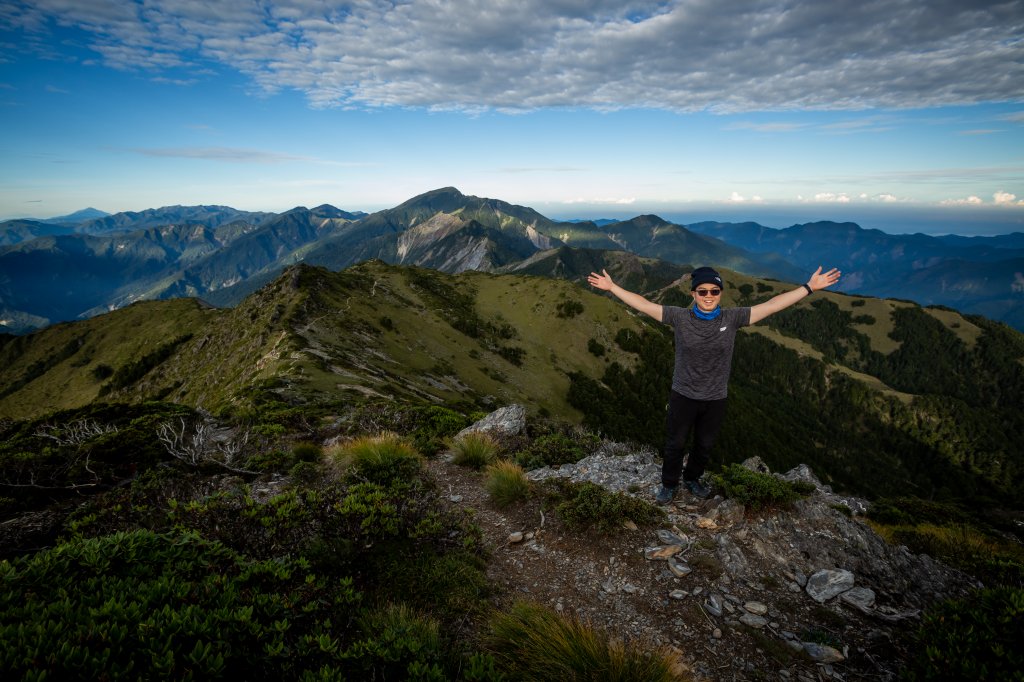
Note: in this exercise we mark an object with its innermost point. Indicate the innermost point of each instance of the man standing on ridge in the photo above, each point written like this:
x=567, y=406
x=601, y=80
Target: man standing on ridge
x=705, y=334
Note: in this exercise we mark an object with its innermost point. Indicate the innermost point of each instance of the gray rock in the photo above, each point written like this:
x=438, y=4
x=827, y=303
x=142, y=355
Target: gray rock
x=663, y=552
x=509, y=420
x=756, y=608
x=753, y=621
x=757, y=464
x=828, y=583
x=713, y=605
x=728, y=513
x=678, y=594
x=821, y=653
x=862, y=598
x=679, y=568
x=667, y=537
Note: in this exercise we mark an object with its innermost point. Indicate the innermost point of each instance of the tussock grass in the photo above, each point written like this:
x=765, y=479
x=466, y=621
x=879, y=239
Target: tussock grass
x=379, y=458
x=475, y=449
x=539, y=644
x=506, y=483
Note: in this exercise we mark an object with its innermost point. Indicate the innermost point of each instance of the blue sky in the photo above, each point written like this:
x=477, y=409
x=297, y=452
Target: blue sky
x=902, y=115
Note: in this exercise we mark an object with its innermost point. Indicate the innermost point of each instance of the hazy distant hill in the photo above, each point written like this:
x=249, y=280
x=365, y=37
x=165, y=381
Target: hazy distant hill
x=17, y=231
x=209, y=216
x=78, y=216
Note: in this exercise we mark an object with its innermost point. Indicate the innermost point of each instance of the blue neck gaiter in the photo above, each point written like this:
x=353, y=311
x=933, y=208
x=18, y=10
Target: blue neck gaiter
x=707, y=316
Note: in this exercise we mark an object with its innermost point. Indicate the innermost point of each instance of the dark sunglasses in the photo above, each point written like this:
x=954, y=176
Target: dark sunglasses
x=705, y=292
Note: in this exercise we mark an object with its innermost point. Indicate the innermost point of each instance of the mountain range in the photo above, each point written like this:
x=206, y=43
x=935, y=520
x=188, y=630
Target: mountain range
x=58, y=271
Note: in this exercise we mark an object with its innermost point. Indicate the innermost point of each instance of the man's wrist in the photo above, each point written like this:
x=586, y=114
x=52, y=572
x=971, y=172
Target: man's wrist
x=809, y=289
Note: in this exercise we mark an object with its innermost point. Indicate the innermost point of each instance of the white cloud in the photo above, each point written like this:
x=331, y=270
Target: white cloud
x=737, y=198
x=473, y=55
x=832, y=197
x=1006, y=199
x=969, y=201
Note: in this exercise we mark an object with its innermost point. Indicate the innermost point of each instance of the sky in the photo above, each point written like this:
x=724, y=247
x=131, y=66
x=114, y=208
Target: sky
x=902, y=115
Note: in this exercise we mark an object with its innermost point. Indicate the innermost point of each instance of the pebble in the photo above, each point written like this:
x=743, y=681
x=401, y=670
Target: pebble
x=678, y=594
x=717, y=634
x=516, y=537
x=667, y=537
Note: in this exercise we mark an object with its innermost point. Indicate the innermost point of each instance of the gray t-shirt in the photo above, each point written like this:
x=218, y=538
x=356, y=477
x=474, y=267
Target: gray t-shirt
x=703, y=350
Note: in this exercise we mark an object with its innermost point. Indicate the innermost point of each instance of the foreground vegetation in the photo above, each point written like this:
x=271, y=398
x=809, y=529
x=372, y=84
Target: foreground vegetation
x=178, y=566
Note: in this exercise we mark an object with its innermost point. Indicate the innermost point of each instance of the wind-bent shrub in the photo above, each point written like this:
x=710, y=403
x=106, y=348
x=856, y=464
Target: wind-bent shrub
x=475, y=449
x=506, y=483
x=539, y=644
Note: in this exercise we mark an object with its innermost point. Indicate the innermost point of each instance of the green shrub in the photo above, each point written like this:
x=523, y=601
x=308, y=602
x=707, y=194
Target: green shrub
x=475, y=449
x=588, y=505
x=145, y=605
x=269, y=461
x=506, y=483
x=975, y=638
x=914, y=510
x=569, y=309
x=305, y=473
x=539, y=644
x=306, y=452
x=756, y=490
x=399, y=644
x=596, y=348
x=555, y=449
x=432, y=424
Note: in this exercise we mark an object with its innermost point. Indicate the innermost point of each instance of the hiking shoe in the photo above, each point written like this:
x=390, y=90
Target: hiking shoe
x=665, y=495
x=698, y=489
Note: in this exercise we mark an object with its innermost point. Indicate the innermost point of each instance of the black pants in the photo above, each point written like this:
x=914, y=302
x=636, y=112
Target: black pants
x=705, y=418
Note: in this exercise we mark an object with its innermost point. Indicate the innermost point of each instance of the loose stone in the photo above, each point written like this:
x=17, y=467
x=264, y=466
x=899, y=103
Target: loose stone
x=756, y=608
x=667, y=537
x=664, y=552
x=516, y=537
x=678, y=594
x=828, y=583
x=822, y=653
x=679, y=568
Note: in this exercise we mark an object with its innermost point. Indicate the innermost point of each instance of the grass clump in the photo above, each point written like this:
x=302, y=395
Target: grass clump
x=378, y=459
x=536, y=643
x=588, y=505
x=758, y=491
x=506, y=483
x=976, y=638
x=475, y=449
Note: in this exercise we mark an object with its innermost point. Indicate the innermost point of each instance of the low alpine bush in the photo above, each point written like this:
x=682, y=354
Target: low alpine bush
x=756, y=490
x=588, y=505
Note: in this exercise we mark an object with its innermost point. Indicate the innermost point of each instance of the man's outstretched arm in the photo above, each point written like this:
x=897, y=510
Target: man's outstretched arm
x=605, y=283
x=818, y=280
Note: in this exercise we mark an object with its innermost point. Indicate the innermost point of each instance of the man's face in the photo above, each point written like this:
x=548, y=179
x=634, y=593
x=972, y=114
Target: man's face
x=707, y=297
